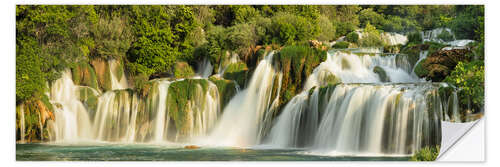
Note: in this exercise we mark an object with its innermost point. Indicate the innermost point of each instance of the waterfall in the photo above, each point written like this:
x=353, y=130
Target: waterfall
x=455, y=115
x=432, y=35
x=394, y=38
x=354, y=68
x=368, y=119
x=205, y=68
x=117, y=82
x=22, y=123
x=241, y=122
x=114, y=116
x=362, y=116
x=72, y=121
x=161, y=123
x=234, y=59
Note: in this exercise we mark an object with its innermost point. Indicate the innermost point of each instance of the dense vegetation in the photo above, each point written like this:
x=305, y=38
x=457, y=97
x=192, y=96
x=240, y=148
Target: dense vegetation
x=169, y=41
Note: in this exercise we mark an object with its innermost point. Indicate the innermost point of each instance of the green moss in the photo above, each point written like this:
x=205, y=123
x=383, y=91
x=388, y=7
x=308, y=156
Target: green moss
x=426, y=154
x=238, y=72
x=381, y=74
x=119, y=70
x=84, y=74
x=183, y=70
x=89, y=98
x=226, y=88
x=341, y=45
x=420, y=70
x=296, y=63
x=179, y=94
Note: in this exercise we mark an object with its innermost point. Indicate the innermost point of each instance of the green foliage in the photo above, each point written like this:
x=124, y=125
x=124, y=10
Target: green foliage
x=469, y=79
x=369, y=16
x=327, y=29
x=469, y=23
x=445, y=36
x=241, y=36
x=352, y=37
x=30, y=79
x=346, y=18
x=161, y=37
x=288, y=28
x=426, y=154
x=341, y=45
x=371, y=37
x=112, y=37
x=414, y=38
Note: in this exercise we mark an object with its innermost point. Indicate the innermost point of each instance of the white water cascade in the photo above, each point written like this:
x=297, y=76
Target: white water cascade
x=117, y=82
x=241, y=123
x=362, y=116
x=72, y=121
x=394, y=38
x=205, y=68
x=22, y=123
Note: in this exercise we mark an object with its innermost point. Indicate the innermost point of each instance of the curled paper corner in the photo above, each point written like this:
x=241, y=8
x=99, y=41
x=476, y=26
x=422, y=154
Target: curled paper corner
x=451, y=133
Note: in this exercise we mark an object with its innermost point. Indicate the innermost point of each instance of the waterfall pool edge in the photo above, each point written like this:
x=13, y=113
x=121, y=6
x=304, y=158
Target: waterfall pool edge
x=146, y=152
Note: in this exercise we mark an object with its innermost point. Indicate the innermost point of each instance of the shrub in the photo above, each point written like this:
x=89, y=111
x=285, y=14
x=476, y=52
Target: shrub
x=369, y=16
x=288, y=28
x=341, y=45
x=414, y=38
x=469, y=79
x=426, y=154
x=371, y=37
x=327, y=29
x=352, y=37
x=445, y=36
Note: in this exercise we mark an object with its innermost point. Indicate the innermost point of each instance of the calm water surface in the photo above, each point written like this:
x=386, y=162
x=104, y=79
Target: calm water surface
x=141, y=152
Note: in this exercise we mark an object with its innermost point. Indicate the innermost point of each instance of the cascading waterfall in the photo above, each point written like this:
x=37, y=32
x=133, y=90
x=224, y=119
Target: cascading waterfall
x=122, y=116
x=353, y=68
x=117, y=82
x=72, y=121
x=432, y=35
x=394, y=38
x=374, y=119
x=361, y=116
x=115, y=116
x=241, y=122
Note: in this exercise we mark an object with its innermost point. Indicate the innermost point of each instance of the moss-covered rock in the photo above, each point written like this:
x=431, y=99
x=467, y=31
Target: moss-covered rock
x=90, y=98
x=227, y=89
x=103, y=73
x=341, y=45
x=296, y=64
x=381, y=74
x=83, y=74
x=183, y=70
x=36, y=112
x=238, y=72
x=392, y=48
x=440, y=64
x=180, y=95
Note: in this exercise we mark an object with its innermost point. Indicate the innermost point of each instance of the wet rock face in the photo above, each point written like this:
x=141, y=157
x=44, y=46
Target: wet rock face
x=440, y=64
